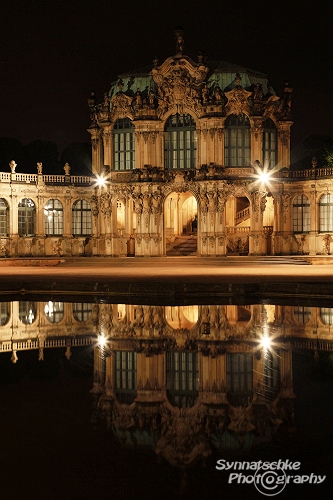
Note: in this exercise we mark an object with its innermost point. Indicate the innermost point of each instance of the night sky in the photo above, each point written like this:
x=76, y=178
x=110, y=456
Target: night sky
x=52, y=55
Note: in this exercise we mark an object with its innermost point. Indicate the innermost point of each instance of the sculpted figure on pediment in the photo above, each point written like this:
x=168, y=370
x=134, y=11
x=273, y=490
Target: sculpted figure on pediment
x=121, y=106
x=179, y=84
x=237, y=101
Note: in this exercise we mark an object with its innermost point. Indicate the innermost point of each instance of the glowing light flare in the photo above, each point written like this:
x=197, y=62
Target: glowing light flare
x=265, y=343
x=102, y=341
x=101, y=181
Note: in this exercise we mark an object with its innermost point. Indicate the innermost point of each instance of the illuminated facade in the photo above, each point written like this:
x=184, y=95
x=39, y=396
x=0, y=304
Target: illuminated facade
x=184, y=380
x=188, y=157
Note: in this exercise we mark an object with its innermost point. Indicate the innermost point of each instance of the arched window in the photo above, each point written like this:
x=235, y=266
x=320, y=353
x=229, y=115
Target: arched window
x=125, y=373
x=302, y=314
x=27, y=312
x=237, y=145
x=180, y=142
x=54, y=218
x=26, y=218
x=326, y=213
x=82, y=311
x=4, y=217
x=123, y=145
x=239, y=378
x=301, y=214
x=326, y=315
x=81, y=218
x=54, y=311
x=269, y=144
x=182, y=377
x=4, y=313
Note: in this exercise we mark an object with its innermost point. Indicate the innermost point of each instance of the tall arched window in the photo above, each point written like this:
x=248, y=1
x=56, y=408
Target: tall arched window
x=125, y=373
x=182, y=377
x=123, y=145
x=54, y=311
x=4, y=312
x=180, y=142
x=82, y=311
x=4, y=217
x=81, y=218
x=301, y=214
x=326, y=213
x=27, y=312
x=54, y=218
x=239, y=378
x=269, y=144
x=237, y=145
x=26, y=218
x=326, y=315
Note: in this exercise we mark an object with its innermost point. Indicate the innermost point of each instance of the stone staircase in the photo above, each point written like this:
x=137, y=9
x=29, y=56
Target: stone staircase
x=184, y=245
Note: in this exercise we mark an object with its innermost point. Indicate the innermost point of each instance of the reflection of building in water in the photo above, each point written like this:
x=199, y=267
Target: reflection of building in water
x=183, y=379
x=188, y=382
x=39, y=325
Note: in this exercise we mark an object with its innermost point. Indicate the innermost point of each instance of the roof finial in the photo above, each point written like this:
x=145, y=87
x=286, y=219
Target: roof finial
x=179, y=35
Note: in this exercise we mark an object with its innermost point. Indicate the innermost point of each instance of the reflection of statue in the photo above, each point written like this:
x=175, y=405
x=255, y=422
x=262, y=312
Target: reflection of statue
x=13, y=166
x=67, y=168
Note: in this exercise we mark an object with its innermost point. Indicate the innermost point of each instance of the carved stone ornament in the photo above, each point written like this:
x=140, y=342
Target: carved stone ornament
x=179, y=82
x=238, y=101
x=122, y=106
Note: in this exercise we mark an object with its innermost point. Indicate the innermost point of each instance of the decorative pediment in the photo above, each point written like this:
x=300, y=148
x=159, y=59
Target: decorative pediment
x=238, y=101
x=179, y=82
x=121, y=106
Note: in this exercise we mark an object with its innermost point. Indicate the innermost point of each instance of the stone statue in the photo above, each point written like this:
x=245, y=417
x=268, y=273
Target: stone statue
x=13, y=166
x=39, y=168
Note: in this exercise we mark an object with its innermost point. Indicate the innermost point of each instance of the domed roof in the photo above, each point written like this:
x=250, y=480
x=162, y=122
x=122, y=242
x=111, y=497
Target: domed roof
x=226, y=75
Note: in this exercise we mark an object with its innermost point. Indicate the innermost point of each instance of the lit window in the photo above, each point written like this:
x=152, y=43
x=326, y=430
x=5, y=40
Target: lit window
x=27, y=312
x=180, y=142
x=4, y=313
x=82, y=311
x=81, y=218
x=4, y=212
x=54, y=311
x=26, y=218
x=125, y=372
x=302, y=314
x=326, y=314
x=326, y=213
x=123, y=145
x=301, y=214
x=54, y=218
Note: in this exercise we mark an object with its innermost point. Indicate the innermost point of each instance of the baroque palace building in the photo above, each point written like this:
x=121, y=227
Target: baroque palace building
x=188, y=157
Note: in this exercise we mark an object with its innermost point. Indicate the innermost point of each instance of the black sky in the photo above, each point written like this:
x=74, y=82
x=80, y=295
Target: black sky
x=54, y=53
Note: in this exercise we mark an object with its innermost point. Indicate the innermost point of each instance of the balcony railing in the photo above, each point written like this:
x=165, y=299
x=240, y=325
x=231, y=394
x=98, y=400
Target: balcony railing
x=47, y=179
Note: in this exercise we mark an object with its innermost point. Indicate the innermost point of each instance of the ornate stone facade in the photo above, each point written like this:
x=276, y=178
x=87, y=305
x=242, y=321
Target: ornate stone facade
x=183, y=152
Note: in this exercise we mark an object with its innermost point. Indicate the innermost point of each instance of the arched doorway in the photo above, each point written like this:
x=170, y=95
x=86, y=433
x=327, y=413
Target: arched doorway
x=180, y=224
x=238, y=213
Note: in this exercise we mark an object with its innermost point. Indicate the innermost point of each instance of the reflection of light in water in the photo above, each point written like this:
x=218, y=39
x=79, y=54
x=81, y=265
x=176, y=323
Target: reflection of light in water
x=121, y=311
x=182, y=316
x=265, y=342
x=31, y=316
x=270, y=311
x=48, y=309
x=101, y=339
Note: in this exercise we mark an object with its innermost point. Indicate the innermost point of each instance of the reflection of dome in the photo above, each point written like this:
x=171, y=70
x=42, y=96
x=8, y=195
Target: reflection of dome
x=182, y=317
